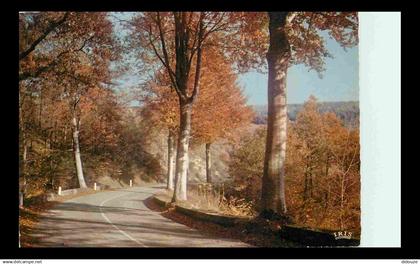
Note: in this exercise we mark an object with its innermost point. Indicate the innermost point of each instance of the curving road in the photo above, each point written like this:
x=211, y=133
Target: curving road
x=118, y=219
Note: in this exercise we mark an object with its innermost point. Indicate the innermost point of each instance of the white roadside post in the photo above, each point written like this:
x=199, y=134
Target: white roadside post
x=59, y=190
x=131, y=183
x=94, y=186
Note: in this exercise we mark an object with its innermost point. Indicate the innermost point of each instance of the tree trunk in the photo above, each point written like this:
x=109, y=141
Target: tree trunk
x=23, y=172
x=24, y=153
x=182, y=158
x=310, y=182
x=327, y=195
x=278, y=56
x=306, y=188
x=311, y=185
x=77, y=158
x=208, y=163
x=171, y=160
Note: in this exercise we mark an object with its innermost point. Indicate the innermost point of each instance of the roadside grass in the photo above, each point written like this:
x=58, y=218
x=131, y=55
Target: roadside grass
x=212, y=199
x=257, y=232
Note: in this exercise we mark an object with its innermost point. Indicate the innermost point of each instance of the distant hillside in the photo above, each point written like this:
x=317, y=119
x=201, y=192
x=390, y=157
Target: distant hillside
x=348, y=112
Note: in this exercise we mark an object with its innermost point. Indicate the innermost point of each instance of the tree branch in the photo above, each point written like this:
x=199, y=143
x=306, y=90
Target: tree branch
x=198, y=64
x=50, y=28
x=291, y=16
x=40, y=70
x=165, y=60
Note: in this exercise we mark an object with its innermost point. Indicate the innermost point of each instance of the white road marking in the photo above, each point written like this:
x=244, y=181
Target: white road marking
x=116, y=227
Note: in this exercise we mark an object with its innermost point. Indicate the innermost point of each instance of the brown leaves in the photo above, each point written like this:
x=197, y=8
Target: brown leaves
x=220, y=108
x=307, y=44
x=100, y=117
x=83, y=38
x=321, y=154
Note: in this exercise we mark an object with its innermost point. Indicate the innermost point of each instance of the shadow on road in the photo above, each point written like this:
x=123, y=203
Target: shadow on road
x=74, y=224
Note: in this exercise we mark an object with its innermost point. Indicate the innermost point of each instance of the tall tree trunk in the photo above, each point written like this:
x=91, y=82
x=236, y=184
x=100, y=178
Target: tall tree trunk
x=182, y=158
x=208, y=163
x=24, y=153
x=278, y=56
x=77, y=158
x=23, y=172
x=171, y=159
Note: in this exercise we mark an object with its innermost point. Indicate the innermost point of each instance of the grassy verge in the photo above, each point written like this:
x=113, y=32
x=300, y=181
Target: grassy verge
x=257, y=232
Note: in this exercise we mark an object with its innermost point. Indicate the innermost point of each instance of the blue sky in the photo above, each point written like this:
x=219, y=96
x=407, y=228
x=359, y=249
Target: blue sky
x=340, y=80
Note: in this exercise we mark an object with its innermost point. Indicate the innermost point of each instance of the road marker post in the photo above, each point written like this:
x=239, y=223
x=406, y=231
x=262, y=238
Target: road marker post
x=59, y=190
x=94, y=186
x=131, y=183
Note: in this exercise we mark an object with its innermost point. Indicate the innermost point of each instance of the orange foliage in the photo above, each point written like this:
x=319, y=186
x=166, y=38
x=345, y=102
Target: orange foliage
x=322, y=170
x=220, y=108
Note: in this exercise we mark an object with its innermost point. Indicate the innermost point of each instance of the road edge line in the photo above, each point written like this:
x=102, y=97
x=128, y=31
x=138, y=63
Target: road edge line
x=116, y=227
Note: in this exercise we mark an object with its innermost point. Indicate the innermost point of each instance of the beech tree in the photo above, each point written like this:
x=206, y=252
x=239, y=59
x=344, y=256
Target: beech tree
x=294, y=37
x=69, y=50
x=33, y=30
x=191, y=33
x=309, y=127
x=323, y=170
x=221, y=108
x=160, y=109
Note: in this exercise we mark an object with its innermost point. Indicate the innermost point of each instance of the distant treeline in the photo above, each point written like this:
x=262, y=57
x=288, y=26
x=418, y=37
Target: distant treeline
x=348, y=112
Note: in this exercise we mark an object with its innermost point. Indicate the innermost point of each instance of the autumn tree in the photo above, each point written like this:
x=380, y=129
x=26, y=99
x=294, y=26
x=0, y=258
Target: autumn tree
x=341, y=188
x=33, y=29
x=322, y=169
x=70, y=52
x=309, y=127
x=289, y=34
x=160, y=109
x=101, y=114
x=294, y=37
x=221, y=108
x=177, y=40
x=246, y=164
x=188, y=34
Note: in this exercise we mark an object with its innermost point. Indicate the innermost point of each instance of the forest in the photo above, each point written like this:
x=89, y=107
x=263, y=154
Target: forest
x=192, y=129
x=348, y=112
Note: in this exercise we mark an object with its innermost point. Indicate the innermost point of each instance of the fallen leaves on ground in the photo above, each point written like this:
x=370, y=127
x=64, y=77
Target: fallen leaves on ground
x=28, y=218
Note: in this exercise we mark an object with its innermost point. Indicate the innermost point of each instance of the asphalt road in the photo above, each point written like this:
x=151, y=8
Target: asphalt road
x=118, y=219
